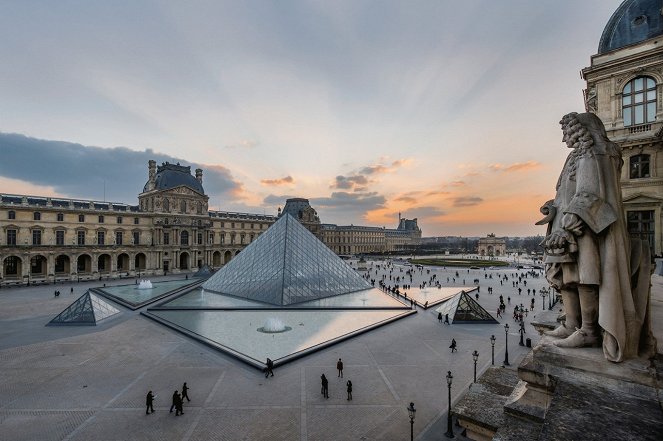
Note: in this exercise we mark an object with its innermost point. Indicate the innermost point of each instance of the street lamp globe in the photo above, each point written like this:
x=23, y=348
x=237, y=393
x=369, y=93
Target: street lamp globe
x=449, y=378
x=475, y=355
x=411, y=411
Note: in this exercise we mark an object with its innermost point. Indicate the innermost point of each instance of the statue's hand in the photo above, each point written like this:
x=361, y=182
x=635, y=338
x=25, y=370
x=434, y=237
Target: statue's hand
x=572, y=223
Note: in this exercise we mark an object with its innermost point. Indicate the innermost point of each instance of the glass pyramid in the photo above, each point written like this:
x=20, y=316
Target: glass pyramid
x=286, y=265
x=88, y=309
x=462, y=308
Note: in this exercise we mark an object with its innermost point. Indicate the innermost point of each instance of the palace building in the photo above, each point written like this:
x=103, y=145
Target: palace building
x=171, y=230
x=625, y=90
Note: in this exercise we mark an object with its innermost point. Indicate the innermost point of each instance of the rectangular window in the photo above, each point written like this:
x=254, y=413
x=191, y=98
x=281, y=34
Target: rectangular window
x=166, y=238
x=101, y=219
x=11, y=215
x=36, y=216
x=200, y=238
x=118, y=238
x=59, y=237
x=136, y=220
x=11, y=237
x=136, y=237
x=222, y=238
x=81, y=218
x=36, y=237
x=101, y=238
x=80, y=237
x=60, y=217
x=640, y=225
x=119, y=220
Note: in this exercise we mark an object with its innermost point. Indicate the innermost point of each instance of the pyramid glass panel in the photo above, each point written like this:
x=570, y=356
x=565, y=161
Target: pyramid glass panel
x=462, y=308
x=101, y=309
x=88, y=309
x=286, y=265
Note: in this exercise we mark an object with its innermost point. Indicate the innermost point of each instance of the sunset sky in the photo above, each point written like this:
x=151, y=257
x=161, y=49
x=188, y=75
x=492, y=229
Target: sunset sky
x=442, y=110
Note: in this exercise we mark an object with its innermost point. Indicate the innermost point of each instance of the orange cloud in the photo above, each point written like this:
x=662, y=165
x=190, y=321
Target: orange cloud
x=276, y=182
x=516, y=166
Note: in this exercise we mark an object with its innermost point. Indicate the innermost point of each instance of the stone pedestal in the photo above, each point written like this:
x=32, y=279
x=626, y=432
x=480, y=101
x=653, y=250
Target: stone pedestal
x=548, y=365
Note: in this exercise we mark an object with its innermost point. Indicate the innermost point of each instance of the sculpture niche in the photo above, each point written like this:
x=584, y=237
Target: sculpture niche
x=601, y=273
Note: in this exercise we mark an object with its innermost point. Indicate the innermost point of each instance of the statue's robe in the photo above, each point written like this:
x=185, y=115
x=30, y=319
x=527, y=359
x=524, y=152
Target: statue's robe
x=589, y=187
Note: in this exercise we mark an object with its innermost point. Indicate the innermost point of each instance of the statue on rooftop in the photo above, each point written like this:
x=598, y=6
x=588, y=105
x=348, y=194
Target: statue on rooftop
x=601, y=273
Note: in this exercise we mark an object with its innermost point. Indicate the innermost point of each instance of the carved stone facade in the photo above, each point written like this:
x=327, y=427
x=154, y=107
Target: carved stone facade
x=625, y=90
x=357, y=239
x=492, y=246
x=171, y=231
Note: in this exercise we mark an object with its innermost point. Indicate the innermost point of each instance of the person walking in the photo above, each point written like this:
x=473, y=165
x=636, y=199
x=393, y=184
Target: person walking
x=185, y=392
x=349, y=385
x=339, y=368
x=269, y=368
x=179, y=405
x=439, y=317
x=176, y=399
x=149, y=402
x=446, y=319
x=453, y=346
x=325, y=386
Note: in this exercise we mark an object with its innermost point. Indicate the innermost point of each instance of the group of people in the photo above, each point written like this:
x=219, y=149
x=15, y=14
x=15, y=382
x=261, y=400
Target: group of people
x=177, y=402
x=324, y=389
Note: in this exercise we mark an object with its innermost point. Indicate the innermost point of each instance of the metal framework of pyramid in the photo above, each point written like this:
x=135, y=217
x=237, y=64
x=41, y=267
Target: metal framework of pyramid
x=462, y=308
x=88, y=309
x=286, y=265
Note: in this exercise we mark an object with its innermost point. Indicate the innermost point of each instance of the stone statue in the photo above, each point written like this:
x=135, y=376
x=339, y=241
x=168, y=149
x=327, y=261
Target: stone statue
x=602, y=275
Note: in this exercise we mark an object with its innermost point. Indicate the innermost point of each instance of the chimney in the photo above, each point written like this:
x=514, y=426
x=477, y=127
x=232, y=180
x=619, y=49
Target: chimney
x=199, y=175
x=151, y=174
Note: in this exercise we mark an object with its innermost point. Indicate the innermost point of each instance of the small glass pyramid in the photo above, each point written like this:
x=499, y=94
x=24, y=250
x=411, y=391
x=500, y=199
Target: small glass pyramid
x=286, y=265
x=462, y=308
x=88, y=309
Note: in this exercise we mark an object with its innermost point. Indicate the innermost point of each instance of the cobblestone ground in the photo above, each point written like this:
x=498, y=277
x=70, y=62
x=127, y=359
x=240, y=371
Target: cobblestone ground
x=89, y=383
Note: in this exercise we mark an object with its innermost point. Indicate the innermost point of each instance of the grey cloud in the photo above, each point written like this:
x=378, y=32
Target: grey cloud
x=80, y=171
x=275, y=199
x=466, y=201
x=348, y=182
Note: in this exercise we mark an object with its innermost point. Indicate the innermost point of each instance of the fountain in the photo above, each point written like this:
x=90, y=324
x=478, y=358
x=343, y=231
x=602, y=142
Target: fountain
x=145, y=284
x=273, y=325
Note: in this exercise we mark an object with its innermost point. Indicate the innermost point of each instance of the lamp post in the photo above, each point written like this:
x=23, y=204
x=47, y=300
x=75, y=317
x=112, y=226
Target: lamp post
x=411, y=411
x=492, y=355
x=544, y=293
x=475, y=356
x=450, y=430
x=506, y=345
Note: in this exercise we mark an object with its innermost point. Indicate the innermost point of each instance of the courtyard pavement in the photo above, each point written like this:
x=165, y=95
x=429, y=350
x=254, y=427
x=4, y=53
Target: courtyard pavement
x=89, y=383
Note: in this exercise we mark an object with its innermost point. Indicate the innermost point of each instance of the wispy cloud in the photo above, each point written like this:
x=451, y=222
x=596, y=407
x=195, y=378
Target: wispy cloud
x=243, y=144
x=277, y=182
x=382, y=168
x=515, y=167
x=466, y=201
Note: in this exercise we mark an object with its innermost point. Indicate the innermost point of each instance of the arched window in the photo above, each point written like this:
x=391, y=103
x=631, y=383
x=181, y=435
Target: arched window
x=184, y=238
x=639, y=167
x=639, y=101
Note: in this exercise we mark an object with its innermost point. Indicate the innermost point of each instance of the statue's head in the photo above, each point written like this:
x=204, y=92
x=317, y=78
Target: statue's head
x=582, y=130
